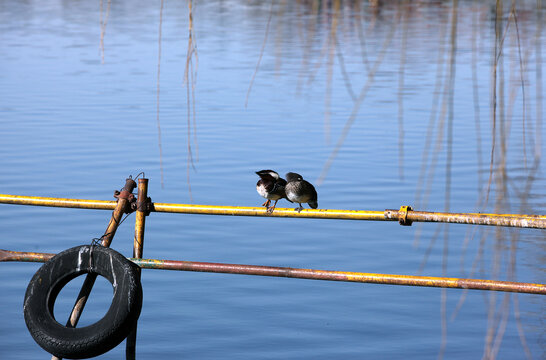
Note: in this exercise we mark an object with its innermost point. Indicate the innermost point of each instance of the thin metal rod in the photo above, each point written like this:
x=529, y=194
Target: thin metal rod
x=387, y=279
x=138, y=244
x=511, y=220
x=140, y=218
x=90, y=278
x=121, y=207
x=23, y=256
x=311, y=274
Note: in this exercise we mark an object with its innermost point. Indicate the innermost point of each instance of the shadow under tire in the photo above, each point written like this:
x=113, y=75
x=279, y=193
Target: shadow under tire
x=94, y=339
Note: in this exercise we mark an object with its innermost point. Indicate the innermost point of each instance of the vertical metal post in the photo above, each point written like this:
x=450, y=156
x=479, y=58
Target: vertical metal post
x=123, y=206
x=140, y=217
x=140, y=222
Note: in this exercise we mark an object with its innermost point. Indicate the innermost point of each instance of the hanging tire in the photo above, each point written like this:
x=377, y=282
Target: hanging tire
x=97, y=338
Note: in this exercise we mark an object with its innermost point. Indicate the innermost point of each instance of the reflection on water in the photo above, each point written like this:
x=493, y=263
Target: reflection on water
x=380, y=103
x=505, y=49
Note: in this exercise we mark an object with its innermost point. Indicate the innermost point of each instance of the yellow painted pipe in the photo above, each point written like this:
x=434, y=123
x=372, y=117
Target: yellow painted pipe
x=198, y=209
x=279, y=212
x=57, y=202
x=140, y=218
x=405, y=215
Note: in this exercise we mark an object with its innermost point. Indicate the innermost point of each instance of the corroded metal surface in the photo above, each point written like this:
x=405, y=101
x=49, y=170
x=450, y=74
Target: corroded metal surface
x=405, y=215
x=7, y=255
x=142, y=210
x=140, y=218
x=511, y=220
x=388, y=279
x=279, y=212
x=115, y=220
x=57, y=202
x=122, y=206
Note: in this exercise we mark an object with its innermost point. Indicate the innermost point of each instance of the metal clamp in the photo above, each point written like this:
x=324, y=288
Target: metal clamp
x=127, y=193
x=403, y=215
x=144, y=205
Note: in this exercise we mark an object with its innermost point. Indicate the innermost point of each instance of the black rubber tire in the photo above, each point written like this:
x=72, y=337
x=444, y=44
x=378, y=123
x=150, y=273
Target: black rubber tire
x=97, y=338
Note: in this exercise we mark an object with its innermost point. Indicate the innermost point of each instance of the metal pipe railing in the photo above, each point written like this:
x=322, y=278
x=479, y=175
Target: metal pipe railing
x=121, y=206
x=138, y=248
x=311, y=274
x=404, y=216
x=57, y=202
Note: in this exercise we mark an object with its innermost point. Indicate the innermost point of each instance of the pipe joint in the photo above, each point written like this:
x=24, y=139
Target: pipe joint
x=127, y=194
x=403, y=215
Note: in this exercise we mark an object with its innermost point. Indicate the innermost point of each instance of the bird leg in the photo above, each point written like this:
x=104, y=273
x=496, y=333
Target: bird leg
x=299, y=209
x=266, y=204
x=270, y=209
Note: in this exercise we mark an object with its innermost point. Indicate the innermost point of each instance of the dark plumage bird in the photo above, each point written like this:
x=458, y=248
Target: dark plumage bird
x=300, y=191
x=270, y=186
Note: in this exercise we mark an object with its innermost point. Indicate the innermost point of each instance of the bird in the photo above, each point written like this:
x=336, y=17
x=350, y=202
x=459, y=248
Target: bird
x=270, y=186
x=300, y=191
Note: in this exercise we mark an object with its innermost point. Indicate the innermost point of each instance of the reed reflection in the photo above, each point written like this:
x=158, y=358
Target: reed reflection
x=387, y=35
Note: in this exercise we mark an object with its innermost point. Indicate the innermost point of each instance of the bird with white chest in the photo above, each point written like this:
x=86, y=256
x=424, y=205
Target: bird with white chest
x=300, y=191
x=270, y=186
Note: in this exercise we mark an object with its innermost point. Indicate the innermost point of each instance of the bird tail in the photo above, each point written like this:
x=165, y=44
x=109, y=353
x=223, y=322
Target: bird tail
x=313, y=204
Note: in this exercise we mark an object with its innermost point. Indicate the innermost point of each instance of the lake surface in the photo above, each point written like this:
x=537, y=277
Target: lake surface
x=438, y=105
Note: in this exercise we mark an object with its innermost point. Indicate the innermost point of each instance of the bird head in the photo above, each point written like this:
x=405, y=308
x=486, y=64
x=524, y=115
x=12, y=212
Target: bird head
x=267, y=173
x=293, y=177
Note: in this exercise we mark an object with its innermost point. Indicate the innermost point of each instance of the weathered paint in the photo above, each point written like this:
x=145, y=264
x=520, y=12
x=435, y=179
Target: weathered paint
x=279, y=212
x=138, y=244
x=407, y=280
x=342, y=276
x=7, y=255
x=122, y=206
x=140, y=218
x=405, y=215
x=510, y=220
x=57, y=202
x=387, y=279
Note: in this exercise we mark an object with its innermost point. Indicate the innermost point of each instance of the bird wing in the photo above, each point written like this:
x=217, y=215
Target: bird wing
x=277, y=187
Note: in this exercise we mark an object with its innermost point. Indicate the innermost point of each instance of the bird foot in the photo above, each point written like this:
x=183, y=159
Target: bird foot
x=299, y=209
x=270, y=209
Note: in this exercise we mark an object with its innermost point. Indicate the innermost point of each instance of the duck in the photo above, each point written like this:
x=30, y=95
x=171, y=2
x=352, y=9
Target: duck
x=271, y=187
x=300, y=191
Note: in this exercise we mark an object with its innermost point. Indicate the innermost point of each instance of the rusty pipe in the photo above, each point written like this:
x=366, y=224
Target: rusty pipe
x=140, y=217
x=122, y=206
x=138, y=243
x=510, y=220
x=386, y=279
x=405, y=215
x=23, y=256
x=57, y=202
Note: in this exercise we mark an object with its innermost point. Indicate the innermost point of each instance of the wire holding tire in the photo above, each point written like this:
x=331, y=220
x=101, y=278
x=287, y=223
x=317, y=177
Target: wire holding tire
x=94, y=339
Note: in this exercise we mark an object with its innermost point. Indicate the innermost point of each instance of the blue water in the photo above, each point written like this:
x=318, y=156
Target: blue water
x=75, y=122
